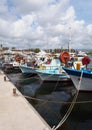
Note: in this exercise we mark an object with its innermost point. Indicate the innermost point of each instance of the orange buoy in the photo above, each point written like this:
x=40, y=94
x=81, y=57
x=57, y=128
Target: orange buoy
x=64, y=56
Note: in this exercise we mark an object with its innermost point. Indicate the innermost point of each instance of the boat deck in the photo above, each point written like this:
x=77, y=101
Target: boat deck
x=15, y=111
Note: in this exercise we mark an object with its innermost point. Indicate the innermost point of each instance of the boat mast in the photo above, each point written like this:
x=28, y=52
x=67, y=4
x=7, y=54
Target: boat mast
x=69, y=43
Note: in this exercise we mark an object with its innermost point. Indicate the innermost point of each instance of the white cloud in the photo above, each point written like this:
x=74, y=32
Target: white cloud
x=24, y=7
x=38, y=23
x=89, y=29
x=23, y=26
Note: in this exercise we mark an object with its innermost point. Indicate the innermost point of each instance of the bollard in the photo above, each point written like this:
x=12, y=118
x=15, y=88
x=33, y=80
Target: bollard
x=4, y=78
x=14, y=91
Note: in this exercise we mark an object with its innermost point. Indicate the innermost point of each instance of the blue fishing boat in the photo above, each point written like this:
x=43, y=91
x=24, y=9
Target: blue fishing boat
x=52, y=71
x=25, y=69
x=81, y=76
x=84, y=75
x=53, y=74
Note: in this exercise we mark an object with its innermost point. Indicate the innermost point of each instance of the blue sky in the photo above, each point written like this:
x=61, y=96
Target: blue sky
x=46, y=23
x=83, y=9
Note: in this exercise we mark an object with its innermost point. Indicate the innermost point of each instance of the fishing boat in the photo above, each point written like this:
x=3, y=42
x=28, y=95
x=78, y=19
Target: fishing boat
x=31, y=65
x=81, y=76
x=53, y=75
x=26, y=69
x=52, y=71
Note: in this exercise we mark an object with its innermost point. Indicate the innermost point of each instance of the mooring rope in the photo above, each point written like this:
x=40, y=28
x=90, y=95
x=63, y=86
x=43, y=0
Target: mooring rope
x=57, y=102
x=56, y=84
x=41, y=104
x=71, y=106
x=40, y=75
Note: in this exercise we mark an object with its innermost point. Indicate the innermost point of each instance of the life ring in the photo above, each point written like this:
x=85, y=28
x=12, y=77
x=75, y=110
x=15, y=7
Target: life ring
x=64, y=56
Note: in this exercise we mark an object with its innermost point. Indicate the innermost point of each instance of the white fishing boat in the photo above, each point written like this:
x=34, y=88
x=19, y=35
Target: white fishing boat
x=81, y=76
x=26, y=69
x=52, y=74
x=30, y=66
x=52, y=71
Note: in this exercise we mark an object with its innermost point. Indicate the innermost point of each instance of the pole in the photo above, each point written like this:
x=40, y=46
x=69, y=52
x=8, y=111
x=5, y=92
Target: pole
x=69, y=39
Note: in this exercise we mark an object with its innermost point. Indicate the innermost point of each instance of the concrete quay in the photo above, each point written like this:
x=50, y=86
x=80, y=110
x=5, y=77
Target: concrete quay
x=15, y=111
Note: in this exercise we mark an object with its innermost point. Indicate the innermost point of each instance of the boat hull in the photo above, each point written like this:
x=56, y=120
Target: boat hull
x=86, y=83
x=84, y=75
x=50, y=75
x=27, y=70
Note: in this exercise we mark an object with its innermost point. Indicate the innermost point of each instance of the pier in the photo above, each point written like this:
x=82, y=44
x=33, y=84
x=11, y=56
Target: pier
x=16, y=113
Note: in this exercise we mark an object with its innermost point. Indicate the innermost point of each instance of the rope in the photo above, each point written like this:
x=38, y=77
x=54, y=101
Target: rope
x=40, y=75
x=27, y=79
x=61, y=102
x=46, y=77
x=56, y=84
x=41, y=104
x=71, y=106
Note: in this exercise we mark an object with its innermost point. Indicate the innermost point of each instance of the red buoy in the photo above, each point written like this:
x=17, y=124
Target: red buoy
x=86, y=60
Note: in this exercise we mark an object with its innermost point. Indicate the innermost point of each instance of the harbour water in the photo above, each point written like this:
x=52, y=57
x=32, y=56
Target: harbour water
x=50, y=100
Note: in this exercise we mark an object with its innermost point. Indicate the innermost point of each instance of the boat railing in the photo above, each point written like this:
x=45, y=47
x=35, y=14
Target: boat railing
x=50, y=67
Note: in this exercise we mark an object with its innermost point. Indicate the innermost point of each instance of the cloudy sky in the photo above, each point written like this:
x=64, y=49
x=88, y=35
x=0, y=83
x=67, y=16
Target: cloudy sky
x=46, y=23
